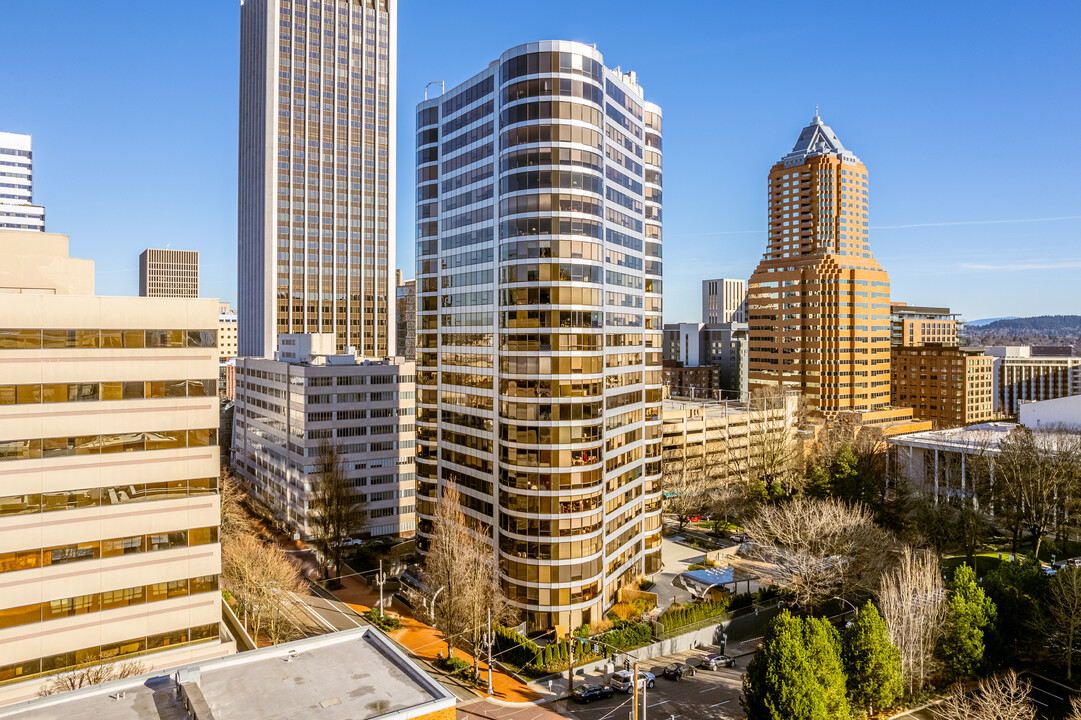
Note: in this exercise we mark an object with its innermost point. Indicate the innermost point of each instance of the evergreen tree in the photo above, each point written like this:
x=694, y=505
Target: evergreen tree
x=823, y=644
x=780, y=683
x=818, y=482
x=1018, y=590
x=969, y=614
x=872, y=662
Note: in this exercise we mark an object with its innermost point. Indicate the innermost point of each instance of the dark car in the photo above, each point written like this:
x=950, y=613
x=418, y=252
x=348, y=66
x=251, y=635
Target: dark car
x=589, y=693
x=712, y=662
x=678, y=671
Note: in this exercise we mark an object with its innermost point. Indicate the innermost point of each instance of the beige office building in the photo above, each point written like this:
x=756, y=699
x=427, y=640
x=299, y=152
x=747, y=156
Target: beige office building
x=169, y=273
x=109, y=462
x=287, y=407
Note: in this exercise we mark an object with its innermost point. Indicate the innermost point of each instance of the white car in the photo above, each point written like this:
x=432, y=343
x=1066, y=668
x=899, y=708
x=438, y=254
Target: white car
x=622, y=681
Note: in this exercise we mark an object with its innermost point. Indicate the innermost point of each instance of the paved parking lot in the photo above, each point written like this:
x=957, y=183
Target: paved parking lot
x=708, y=694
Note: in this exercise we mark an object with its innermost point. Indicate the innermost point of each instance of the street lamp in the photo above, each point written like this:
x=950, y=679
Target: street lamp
x=855, y=610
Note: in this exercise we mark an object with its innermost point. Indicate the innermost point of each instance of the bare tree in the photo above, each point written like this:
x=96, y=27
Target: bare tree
x=234, y=518
x=334, y=510
x=261, y=577
x=821, y=548
x=999, y=698
x=1039, y=472
x=685, y=495
x=912, y=600
x=460, y=567
x=773, y=457
x=94, y=671
x=1075, y=708
x=1061, y=626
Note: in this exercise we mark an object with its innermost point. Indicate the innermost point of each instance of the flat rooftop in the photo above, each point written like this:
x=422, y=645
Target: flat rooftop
x=355, y=674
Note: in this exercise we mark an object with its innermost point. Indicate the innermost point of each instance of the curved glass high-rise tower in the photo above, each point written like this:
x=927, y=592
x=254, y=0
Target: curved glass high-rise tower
x=539, y=323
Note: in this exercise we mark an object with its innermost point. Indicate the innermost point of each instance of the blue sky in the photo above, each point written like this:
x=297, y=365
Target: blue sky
x=965, y=114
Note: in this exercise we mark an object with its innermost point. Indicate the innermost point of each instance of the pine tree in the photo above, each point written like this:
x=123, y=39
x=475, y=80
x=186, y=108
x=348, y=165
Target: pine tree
x=872, y=662
x=818, y=483
x=823, y=644
x=969, y=614
x=781, y=683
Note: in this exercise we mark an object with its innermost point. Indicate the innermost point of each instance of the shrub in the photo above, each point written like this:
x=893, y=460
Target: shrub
x=454, y=666
x=625, y=611
x=515, y=648
x=676, y=616
x=383, y=621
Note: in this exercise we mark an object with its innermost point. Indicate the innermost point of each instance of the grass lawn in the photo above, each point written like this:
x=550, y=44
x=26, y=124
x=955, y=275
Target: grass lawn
x=985, y=563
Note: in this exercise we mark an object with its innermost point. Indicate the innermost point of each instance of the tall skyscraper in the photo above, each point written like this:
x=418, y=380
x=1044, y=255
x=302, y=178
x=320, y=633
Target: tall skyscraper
x=316, y=181
x=108, y=448
x=169, y=273
x=724, y=300
x=17, y=208
x=818, y=305
x=539, y=323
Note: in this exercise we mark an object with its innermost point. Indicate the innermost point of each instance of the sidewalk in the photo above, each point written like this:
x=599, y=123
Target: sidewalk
x=427, y=643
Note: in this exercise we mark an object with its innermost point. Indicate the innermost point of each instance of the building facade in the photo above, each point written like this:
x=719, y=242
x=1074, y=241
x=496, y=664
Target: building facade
x=539, y=323
x=169, y=273
x=406, y=317
x=724, y=300
x=288, y=406
x=949, y=385
x=109, y=509
x=913, y=326
x=316, y=176
x=1019, y=376
x=818, y=305
x=706, y=360
x=17, y=208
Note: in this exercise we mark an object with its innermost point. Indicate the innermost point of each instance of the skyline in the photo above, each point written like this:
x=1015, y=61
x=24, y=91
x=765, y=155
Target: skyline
x=962, y=183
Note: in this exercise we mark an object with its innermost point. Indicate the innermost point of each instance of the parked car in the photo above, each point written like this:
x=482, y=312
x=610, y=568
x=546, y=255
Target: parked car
x=712, y=662
x=678, y=671
x=739, y=538
x=589, y=693
x=622, y=680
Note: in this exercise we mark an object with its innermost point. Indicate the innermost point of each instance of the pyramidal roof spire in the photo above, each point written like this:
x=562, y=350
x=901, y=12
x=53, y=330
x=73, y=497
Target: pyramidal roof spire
x=817, y=139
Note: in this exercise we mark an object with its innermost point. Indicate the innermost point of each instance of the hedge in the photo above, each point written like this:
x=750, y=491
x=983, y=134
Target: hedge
x=676, y=617
x=515, y=648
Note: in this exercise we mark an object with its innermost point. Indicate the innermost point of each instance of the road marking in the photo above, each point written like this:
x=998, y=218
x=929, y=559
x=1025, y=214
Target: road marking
x=722, y=702
x=715, y=687
x=662, y=702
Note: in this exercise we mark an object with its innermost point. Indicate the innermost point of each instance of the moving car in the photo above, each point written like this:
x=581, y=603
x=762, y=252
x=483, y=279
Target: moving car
x=678, y=671
x=712, y=662
x=622, y=681
x=589, y=693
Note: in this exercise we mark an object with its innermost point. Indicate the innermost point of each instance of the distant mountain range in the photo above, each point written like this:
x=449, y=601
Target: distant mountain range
x=1039, y=330
x=987, y=321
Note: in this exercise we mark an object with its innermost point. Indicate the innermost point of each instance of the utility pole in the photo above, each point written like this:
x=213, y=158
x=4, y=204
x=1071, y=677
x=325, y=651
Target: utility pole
x=645, y=684
x=380, y=579
x=634, y=684
x=489, y=641
x=570, y=669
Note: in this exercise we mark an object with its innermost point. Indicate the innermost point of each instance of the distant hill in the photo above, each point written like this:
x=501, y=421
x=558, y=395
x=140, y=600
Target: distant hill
x=987, y=321
x=1039, y=330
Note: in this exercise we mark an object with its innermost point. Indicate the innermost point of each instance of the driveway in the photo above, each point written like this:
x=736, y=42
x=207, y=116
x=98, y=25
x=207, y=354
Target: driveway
x=675, y=558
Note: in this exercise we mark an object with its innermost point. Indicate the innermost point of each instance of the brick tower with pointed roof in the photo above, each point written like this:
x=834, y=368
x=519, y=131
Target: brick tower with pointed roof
x=818, y=303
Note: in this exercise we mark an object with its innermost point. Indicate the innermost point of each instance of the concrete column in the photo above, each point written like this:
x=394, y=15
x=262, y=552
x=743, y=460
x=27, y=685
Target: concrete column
x=936, y=476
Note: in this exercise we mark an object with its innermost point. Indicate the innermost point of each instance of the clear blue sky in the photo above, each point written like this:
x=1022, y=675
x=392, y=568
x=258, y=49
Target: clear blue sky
x=965, y=113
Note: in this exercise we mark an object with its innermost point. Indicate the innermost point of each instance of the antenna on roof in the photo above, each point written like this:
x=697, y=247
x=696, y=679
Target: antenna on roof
x=816, y=109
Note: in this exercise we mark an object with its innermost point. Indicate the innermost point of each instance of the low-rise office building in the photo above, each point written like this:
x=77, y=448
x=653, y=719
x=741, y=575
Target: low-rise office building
x=287, y=406
x=703, y=360
x=1021, y=376
x=109, y=506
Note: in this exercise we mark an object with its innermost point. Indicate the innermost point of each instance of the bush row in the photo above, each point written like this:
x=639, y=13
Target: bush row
x=676, y=616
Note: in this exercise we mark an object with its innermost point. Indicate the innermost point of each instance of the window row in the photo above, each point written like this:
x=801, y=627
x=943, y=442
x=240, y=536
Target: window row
x=109, y=600
x=530, y=134
x=112, y=547
x=48, y=339
x=33, y=503
x=532, y=157
x=79, y=392
x=137, y=646
x=37, y=448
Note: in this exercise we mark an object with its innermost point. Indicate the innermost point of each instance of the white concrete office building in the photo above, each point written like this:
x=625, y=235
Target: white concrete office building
x=288, y=406
x=17, y=208
x=109, y=505
x=1020, y=376
x=539, y=323
x=316, y=176
x=724, y=300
